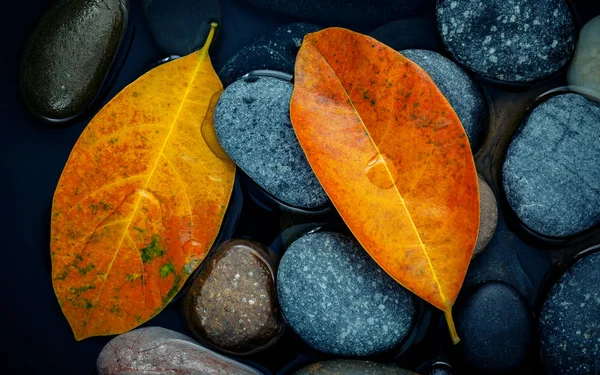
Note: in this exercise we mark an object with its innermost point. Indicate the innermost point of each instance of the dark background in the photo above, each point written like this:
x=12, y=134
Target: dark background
x=36, y=336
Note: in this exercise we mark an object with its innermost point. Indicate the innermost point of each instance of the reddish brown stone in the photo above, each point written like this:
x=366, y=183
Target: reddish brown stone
x=232, y=304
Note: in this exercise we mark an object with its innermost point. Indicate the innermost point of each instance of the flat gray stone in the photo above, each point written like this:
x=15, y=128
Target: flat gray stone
x=351, y=367
x=551, y=175
x=339, y=300
x=456, y=85
x=569, y=324
x=508, y=40
x=252, y=123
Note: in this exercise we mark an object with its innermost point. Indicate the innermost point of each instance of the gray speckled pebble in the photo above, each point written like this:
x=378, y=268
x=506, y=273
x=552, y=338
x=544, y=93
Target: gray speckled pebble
x=570, y=321
x=252, y=123
x=339, y=300
x=458, y=88
x=551, y=173
x=508, y=40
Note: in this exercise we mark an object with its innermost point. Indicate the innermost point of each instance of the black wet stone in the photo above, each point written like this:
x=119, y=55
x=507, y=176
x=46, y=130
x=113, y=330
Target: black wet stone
x=348, y=11
x=339, y=300
x=514, y=41
x=569, y=325
x=496, y=328
x=409, y=33
x=456, y=85
x=252, y=123
x=351, y=367
x=276, y=51
x=180, y=27
x=551, y=175
x=68, y=55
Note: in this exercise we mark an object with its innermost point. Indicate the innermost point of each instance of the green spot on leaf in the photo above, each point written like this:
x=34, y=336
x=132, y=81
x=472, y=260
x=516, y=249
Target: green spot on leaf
x=166, y=270
x=153, y=250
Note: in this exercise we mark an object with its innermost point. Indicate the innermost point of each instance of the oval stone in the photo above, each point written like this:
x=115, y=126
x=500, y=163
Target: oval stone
x=488, y=216
x=69, y=54
x=156, y=350
x=252, y=123
x=351, y=367
x=569, y=324
x=339, y=300
x=550, y=174
x=232, y=304
x=506, y=40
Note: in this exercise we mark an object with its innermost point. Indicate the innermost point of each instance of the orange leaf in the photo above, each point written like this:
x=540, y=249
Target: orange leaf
x=393, y=157
x=141, y=199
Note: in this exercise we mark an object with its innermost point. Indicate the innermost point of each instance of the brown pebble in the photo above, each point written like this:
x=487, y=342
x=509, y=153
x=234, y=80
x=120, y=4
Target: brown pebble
x=488, y=216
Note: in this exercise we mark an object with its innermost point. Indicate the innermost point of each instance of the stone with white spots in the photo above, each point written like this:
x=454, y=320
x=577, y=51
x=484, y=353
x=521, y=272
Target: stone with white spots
x=339, y=300
x=507, y=40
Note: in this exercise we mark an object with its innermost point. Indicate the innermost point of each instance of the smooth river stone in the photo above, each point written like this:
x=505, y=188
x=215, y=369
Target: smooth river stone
x=488, y=216
x=347, y=11
x=232, y=304
x=496, y=328
x=68, y=55
x=584, y=70
x=276, y=51
x=569, y=325
x=155, y=350
x=339, y=300
x=514, y=41
x=180, y=27
x=460, y=90
x=252, y=123
x=351, y=367
x=551, y=175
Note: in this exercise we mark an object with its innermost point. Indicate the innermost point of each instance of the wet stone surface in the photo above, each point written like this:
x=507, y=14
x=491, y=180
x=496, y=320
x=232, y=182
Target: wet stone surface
x=252, y=123
x=496, y=327
x=550, y=174
x=351, y=367
x=462, y=93
x=514, y=41
x=584, y=70
x=276, y=51
x=569, y=324
x=232, y=304
x=339, y=300
x=156, y=350
x=69, y=54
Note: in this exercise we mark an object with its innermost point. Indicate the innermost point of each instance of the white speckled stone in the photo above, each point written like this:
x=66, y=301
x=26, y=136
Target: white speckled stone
x=252, y=123
x=508, y=40
x=551, y=173
x=569, y=325
x=339, y=300
x=584, y=70
x=458, y=88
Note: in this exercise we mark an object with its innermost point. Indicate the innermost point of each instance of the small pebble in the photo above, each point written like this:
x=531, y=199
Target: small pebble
x=488, y=216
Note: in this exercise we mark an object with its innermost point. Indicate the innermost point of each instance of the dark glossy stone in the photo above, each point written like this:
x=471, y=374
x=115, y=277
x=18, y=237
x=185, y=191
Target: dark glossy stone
x=488, y=216
x=180, y=27
x=155, y=350
x=276, y=51
x=348, y=11
x=351, y=367
x=462, y=93
x=506, y=40
x=496, y=328
x=69, y=54
x=339, y=300
x=252, y=123
x=550, y=174
x=409, y=33
x=569, y=324
x=232, y=304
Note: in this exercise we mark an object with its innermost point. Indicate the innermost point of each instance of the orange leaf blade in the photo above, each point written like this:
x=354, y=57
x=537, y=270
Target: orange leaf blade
x=140, y=200
x=393, y=157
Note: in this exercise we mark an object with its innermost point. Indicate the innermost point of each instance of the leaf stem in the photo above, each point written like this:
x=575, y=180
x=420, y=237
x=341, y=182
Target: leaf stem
x=451, y=326
x=210, y=37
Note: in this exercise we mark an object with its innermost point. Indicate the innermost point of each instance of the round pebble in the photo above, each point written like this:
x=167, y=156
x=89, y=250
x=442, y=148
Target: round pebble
x=569, y=324
x=551, y=175
x=488, y=216
x=514, y=41
x=462, y=93
x=339, y=300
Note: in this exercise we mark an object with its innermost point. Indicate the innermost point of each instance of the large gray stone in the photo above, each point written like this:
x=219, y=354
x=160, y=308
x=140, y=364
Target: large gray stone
x=339, y=300
x=462, y=93
x=551, y=174
x=252, y=123
x=68, y=55
x=508, y=40
x=570, y=321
